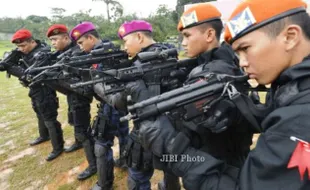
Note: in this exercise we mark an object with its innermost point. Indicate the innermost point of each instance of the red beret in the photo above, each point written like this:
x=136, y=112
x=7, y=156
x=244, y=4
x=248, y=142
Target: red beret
x=21, y=35
x=56, y=29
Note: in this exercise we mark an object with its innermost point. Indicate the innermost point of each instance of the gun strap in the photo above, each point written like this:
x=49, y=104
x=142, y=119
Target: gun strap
x=245, y=110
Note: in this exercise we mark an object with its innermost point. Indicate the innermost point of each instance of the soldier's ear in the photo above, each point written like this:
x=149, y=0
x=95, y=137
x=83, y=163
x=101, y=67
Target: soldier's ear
x=140, y=37
x=291, y=36
x=210, y=35
x=67, y=37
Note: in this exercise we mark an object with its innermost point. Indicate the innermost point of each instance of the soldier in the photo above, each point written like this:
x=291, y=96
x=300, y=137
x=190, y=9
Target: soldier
x=272, y=39
x=106, y=122
x=60, y=40
x=137, y=37
x=44, y=100
x=78, y=105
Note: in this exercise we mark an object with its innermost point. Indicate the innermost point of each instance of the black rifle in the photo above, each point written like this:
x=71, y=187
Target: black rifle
x=11, y=58
x=40, y=59
x=111, y=58
x=157, y=64
x=13, y=64
x=95, y=56
x=49, y=73
x=200, y=95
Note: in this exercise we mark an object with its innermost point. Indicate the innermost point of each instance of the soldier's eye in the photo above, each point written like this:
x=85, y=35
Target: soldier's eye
x=244, y=48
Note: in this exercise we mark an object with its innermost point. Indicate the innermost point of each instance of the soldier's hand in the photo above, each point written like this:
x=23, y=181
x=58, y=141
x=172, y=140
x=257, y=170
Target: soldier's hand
x=2, y=67
x=23, y=81
x=99, y=89
x=176, y=79
x=221, y=115
x=157, y=134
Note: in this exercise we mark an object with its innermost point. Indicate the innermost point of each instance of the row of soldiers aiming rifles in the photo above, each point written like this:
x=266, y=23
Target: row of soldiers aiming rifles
x=193, y=118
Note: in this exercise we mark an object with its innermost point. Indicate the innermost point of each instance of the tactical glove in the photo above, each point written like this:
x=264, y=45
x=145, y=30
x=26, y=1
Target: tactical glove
x=176, y=79
x=157, y=135
x=2, y=66
x=23, y=81
x=221, y=115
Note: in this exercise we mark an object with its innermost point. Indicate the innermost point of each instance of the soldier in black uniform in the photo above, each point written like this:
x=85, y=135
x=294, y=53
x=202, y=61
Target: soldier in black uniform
x=272, y=39
x=106, y=123
x=137, y=37
x=78, y=105
x=44, y=99
x=60, y=40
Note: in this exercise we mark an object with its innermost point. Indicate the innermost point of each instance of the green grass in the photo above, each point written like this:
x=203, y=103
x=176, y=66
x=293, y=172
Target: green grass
x=5, y=46
x=18, y=126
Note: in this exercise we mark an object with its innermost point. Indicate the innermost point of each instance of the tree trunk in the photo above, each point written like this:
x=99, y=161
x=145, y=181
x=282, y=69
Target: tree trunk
x=108, y=12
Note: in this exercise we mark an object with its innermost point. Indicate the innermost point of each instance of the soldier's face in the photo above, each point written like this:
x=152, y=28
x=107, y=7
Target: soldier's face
x=132, y=44
x=263, y=57
x=59, y=42
x=86, y=44
x=194, y=42
x=25, y=47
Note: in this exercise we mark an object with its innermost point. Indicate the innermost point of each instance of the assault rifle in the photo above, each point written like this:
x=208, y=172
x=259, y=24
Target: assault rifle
x=107, y=56
x=194, y=98
x=156, y=64
x=4, y=65
x=13, y=64
x=112, y=58
x=11, y=58
x=40, y=58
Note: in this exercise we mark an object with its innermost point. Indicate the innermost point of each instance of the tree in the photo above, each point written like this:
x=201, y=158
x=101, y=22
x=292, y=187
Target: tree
x=163, y=23
x=37, y=19
x=117, y=12
x=163, y=10
x=57, y=13
x=113, y=5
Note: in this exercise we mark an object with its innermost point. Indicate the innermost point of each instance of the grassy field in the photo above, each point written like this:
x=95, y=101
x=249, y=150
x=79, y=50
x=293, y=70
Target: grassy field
x=24, y=167
x=5, y=46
